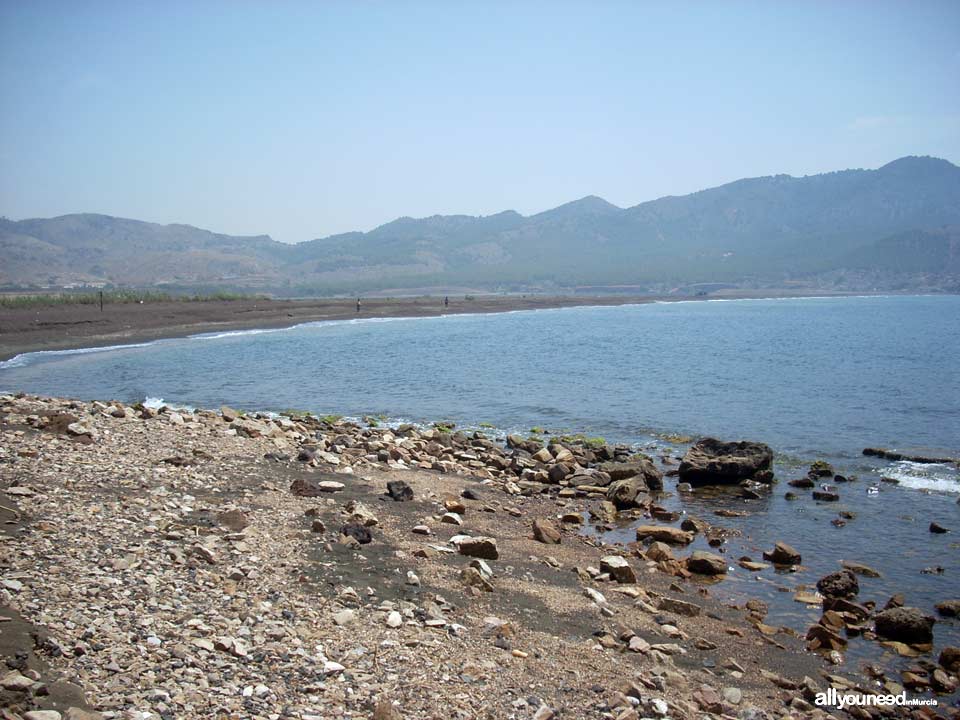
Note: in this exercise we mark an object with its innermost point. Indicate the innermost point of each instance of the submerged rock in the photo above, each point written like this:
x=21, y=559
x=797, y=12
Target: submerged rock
x=906, y=624
x=714, y=462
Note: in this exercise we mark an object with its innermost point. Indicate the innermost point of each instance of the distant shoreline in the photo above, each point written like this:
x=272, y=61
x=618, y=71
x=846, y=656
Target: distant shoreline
x=68, y=327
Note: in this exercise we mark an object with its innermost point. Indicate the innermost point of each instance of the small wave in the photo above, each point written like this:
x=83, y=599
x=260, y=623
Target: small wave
x=26, y=358
x=155, y=403
x=918, y=476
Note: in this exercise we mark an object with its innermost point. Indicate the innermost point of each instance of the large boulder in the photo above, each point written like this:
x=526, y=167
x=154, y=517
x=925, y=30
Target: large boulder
x=713, y=462
x=842, y=584
x=639, y=465
x=906, y=624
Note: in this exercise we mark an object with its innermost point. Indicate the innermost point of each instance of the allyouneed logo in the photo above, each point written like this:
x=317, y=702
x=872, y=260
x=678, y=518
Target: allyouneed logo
x=833, y=698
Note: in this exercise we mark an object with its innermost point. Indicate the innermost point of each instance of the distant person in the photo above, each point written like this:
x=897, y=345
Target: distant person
x=446, y=300
x=358, y=304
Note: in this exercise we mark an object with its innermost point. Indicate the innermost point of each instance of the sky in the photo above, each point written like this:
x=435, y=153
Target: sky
x=305, y=119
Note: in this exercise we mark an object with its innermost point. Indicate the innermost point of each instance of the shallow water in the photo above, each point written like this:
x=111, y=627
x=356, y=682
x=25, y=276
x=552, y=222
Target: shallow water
x=814, y=378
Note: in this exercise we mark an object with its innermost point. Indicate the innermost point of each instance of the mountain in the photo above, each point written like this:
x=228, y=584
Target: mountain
x=866, y=226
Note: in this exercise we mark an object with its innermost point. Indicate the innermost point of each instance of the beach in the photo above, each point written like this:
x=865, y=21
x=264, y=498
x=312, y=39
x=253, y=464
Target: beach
x=213, y=563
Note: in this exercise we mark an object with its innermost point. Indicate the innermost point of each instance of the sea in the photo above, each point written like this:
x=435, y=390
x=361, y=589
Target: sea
x=814, y=378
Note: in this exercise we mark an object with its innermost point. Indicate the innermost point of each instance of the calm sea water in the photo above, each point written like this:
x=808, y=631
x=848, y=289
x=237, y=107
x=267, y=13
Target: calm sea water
x=813, y=378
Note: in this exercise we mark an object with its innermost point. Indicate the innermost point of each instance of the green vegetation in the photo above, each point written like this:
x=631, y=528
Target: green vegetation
x=581, y=439
x=295, y=414
x=444, y=427
x=537, y=430
x=487, y=426
x=115, y=297
x=330, y=419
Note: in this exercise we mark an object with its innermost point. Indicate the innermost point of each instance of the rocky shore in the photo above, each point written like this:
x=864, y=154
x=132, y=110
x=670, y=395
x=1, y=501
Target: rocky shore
x=216, y=564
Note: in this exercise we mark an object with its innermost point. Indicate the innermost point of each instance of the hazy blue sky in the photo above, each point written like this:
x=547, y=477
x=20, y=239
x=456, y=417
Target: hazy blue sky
x=304, y=119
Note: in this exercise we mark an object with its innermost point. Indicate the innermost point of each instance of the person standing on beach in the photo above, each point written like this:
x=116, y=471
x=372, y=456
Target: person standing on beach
x=446, y=300
x=358, y=304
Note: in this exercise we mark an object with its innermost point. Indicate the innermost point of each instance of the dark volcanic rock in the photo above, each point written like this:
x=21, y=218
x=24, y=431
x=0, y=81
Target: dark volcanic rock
x=842, y=584
x=906, y=624
x=938, y=529
x=399, y=490
x=713, y=462
x=358, y=532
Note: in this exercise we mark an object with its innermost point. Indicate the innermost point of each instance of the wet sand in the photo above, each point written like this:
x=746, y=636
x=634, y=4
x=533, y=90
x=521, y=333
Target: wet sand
x=60, y=327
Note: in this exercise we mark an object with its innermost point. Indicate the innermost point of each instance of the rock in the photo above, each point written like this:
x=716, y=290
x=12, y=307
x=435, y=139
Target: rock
x=949, y=608
x=394, y=619
x=421, y=529
x=664, y=533
x=386, y=711
x=782, y=554
x=76, y=713
x=821, y=468
x=679, y=607
x=318, y=526
x=451, y=518
x=472, y=577
x=713, y=462
x=360, y=533
x=638, y=645
x=315, y=487
x=938, y=529
x=546, y=532
x=619, y=569
x=481, y=547
x=826, y=496
x=906, y=624
x=842, y=584
x=361, y=514
x=229, y=414
x=42, y=715
x=658, y=551
x=950, y=658
x=15, y=681
x=412, y=579
x=345, y=617
x=399, y=491
x=624, y=494
x=705, y=563
x=732, y=695
x=595, y=596
x=544, y=713
x=234, y=520
x=639, y=465
x=693, y=524
x=860, y=569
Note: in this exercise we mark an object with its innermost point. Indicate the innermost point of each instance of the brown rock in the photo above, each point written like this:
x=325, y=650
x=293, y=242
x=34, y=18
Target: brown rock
x=664, y=533
x=546, y=532
x=481, y=547
x=705, y=563
x=782, y=554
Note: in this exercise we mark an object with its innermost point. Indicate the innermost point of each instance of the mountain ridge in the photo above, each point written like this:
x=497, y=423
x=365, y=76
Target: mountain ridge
x=751, y=229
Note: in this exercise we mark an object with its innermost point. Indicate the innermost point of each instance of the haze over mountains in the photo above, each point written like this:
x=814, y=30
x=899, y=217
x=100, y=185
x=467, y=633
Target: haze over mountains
x=897, y=227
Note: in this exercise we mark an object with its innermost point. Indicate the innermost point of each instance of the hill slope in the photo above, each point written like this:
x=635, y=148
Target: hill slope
x=772, y=228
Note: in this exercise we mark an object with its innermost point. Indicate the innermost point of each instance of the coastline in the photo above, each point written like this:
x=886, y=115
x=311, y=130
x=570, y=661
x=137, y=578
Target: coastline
x=68, y=327
x=227, y=512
